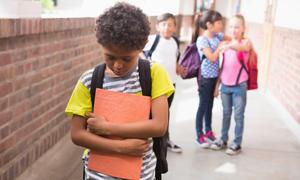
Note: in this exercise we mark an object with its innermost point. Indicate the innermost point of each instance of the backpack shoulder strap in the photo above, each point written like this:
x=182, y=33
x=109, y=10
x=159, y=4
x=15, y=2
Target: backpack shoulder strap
x=243, y=66
x=176, y=40
x=97, y=81
x=145, y=76
x=159, y=143
x=178, y=48
x=154, y=45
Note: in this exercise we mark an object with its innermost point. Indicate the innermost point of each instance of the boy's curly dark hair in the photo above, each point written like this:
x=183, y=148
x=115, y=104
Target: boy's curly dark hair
x=124, y=26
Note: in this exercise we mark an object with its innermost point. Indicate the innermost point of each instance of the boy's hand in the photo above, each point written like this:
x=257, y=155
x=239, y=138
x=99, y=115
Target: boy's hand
x=97, y=124
x=135, y=147
x=181, y=70
x=178, y=69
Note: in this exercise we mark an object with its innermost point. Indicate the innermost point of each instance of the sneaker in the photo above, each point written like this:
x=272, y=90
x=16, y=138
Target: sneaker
x=173, y=147
x=218, y=144
x=234, y=149
x=202, y=141
x=210, y=137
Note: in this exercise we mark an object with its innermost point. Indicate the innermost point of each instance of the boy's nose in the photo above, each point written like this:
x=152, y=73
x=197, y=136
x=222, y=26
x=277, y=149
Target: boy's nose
x=118, y=65
x=166, y=27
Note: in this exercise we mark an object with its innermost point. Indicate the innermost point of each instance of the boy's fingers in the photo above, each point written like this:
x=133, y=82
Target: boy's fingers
x=90, y=115
x=91, y=121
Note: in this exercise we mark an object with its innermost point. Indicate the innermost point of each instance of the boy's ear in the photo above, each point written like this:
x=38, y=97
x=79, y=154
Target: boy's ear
x=145, y=43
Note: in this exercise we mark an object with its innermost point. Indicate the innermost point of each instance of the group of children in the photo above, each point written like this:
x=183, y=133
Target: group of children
x=123, y=34
x=211, y=44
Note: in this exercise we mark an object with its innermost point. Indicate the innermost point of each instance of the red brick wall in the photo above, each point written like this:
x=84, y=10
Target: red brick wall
x=284, y=77
x=40, y=60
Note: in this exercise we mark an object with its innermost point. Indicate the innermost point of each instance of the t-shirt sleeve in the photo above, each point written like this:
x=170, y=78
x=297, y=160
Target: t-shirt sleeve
x=202, y=43
x=161, y=82
x=80, y=101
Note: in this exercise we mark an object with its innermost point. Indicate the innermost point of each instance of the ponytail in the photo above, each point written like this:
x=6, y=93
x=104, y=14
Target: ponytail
x=200, y=22
x=197, y=29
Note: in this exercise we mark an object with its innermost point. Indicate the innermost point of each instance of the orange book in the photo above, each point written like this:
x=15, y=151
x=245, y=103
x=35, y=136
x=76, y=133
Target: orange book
x=119, y=108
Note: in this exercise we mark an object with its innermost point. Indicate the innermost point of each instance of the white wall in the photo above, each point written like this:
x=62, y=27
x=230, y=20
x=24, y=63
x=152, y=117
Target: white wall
x=288, y=14
x=92, y=8
x=254, y=10
x=19, y=8
x=223, y=7
x=150, y=7
x=186, y=7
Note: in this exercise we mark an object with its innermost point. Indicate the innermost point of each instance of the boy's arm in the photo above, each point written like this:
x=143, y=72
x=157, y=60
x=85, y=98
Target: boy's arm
x=80, y=136
x=154, y=127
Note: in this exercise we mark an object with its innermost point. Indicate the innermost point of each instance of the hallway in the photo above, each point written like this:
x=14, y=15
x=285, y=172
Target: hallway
x=270, y=150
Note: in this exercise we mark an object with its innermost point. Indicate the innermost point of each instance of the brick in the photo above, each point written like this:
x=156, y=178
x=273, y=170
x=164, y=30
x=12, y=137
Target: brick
x=4, y=131
x=19, y=55
x=6, y=88
x=23, y=164
x=5, y=59
x=20, y=121
x=20, y=148
x=7, y=143
x=6, y=116
x=11, y=173
x=6, y=73
x=4, y=44
x=22, y=82
x=3, y=104
x=5, y=176
x=22, y=107
x=19, y=96
x=6, y=28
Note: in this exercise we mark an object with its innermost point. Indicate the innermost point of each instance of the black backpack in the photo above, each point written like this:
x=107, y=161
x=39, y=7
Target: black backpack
x=159, y=143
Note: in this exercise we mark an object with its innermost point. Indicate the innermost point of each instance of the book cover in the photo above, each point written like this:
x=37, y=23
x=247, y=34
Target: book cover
x=119, y=108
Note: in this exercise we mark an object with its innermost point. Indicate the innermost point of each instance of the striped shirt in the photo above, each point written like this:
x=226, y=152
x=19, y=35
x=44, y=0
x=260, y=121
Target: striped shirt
x=127, y=84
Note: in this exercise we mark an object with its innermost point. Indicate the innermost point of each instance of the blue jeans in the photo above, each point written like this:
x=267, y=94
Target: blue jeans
x=236, y=97
x=206, y=102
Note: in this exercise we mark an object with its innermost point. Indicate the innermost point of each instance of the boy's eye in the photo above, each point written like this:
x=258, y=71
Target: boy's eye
x=126, y=59
x=112, y=58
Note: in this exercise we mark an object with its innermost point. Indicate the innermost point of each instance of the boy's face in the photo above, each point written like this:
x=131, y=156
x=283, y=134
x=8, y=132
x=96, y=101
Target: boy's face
x=120, y=61
x=166, y=28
